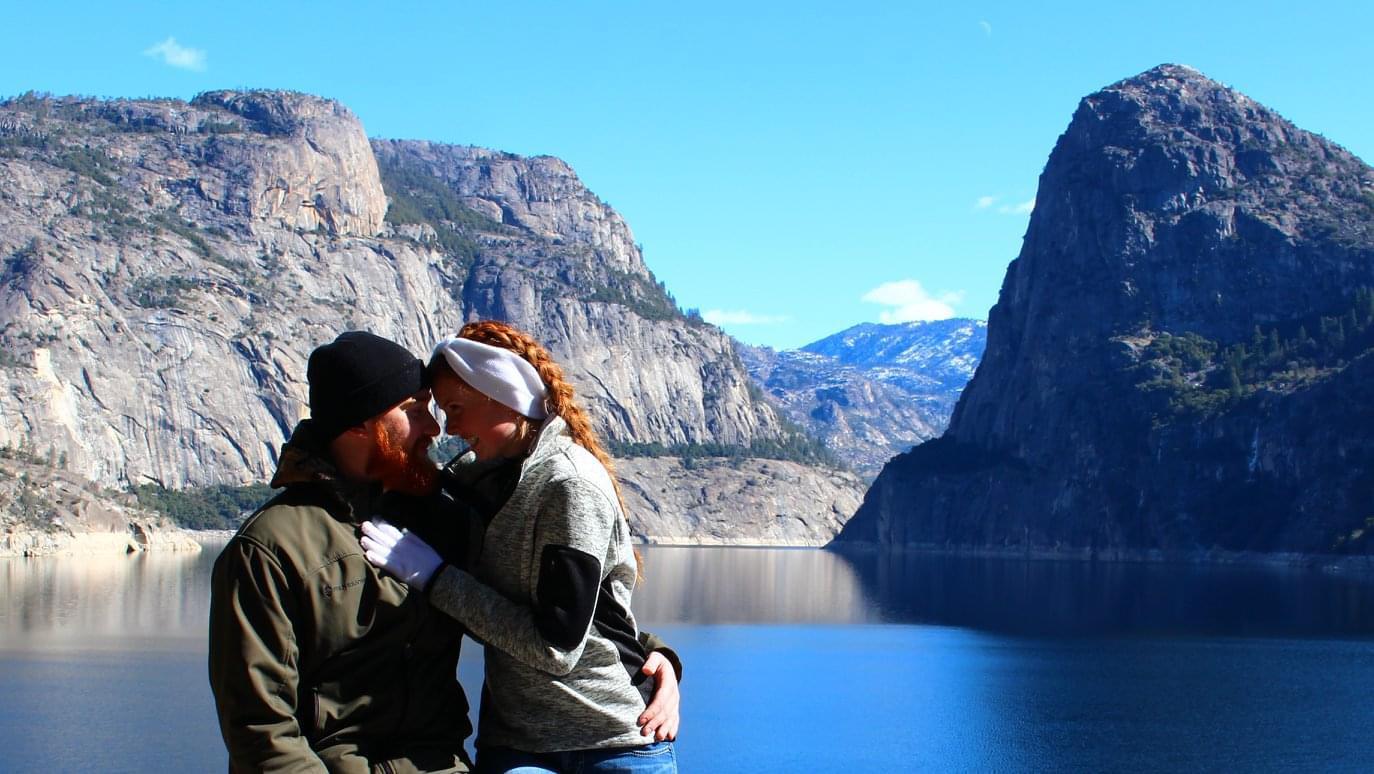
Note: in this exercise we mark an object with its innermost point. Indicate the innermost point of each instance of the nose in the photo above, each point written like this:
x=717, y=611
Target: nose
x=429, y=425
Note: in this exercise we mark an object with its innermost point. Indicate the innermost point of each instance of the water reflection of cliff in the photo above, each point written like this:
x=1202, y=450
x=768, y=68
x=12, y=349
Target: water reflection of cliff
x=162, y=598
x=748, y=585
x=1110, y=598
x=105, y=601
x=112, y=601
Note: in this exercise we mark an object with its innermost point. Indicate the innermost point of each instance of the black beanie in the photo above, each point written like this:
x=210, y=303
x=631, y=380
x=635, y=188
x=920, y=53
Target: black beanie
x=358, y=376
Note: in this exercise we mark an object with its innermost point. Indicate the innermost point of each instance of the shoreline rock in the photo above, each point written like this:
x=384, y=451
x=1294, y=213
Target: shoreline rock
x=139, y=537
x=46, y=511
x=745, y=502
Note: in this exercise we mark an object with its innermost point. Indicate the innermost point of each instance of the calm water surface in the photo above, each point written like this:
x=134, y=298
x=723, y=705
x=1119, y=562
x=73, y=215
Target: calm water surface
x=799, y=660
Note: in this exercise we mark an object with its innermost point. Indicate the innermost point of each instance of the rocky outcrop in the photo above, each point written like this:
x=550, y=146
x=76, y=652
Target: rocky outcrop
x=1150, y=382
x=301, y=162
x=560, y=263
x=873, y=391
x=169, y=266
x=539, y=194
x=748, y=502
x=45, y=511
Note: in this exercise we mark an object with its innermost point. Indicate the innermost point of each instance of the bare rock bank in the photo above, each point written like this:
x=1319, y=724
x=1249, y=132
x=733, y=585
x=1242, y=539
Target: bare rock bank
x=45, y=512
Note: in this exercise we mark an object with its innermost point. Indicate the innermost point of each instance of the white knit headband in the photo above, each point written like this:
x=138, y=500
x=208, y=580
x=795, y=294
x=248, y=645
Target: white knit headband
x=497, y=373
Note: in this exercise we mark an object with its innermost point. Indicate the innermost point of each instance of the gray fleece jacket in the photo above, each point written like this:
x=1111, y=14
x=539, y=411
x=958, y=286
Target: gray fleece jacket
x=550, y=597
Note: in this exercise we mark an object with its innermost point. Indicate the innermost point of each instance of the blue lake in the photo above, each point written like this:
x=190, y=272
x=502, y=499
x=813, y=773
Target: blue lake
x=799, y=660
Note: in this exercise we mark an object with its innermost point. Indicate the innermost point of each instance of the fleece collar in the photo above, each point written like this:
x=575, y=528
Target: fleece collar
x=304, y=461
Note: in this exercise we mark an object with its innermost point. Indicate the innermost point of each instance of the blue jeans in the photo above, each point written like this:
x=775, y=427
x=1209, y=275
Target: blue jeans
x=656, y=758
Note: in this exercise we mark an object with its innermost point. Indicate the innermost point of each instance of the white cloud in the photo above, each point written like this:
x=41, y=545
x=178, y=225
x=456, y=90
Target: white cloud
x=741, y=317
x=173, y=53
x=1024, y=208
x=909, y=302
x=1020, y=208
x=987, y=28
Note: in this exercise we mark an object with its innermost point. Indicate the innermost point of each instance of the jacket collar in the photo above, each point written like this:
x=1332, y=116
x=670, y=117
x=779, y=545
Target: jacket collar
x=552, y=437
x=305, y=462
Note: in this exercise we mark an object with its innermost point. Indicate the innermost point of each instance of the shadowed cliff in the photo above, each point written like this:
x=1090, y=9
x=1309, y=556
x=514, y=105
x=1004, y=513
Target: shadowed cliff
x=1178, y=360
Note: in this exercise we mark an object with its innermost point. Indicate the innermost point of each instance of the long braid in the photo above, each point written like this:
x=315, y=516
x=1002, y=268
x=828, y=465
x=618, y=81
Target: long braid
x=560, y=393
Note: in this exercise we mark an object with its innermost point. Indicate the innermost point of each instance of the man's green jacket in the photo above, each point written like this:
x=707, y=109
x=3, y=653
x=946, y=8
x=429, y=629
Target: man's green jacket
x=317, y=660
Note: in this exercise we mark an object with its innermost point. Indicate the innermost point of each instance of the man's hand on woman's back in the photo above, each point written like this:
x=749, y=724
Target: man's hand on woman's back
x=660, y=719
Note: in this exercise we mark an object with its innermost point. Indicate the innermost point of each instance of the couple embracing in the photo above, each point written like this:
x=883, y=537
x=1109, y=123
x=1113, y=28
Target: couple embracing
x=338, y=608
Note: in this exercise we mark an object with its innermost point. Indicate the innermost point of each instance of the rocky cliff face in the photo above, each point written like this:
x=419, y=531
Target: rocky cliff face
x=750, y=502
x=1153, y=379
x=873, y=391
x=553, y=259
x=44, y=511
x=169, y=266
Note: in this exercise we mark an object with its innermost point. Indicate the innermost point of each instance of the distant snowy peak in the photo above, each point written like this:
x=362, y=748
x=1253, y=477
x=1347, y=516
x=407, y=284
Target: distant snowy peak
x=873, y=391
x=945, y=350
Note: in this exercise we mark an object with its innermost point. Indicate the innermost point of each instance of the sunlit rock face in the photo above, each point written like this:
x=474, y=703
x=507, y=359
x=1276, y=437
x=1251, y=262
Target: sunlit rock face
x=307, y=163
x=745, y=502
x=168, y=266
x=1175, y=220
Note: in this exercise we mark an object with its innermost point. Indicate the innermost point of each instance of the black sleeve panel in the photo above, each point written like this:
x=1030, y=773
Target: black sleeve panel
x=569, y=581
x=613, y=622
x=651, y=642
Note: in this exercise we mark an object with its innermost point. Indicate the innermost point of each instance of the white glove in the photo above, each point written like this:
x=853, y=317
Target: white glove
x=400, y=552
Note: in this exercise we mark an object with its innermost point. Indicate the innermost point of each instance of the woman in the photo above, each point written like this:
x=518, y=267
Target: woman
x=550, y=593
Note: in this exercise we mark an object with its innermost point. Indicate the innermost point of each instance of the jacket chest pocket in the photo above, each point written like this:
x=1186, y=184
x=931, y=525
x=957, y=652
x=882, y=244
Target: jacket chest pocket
x=350, y=599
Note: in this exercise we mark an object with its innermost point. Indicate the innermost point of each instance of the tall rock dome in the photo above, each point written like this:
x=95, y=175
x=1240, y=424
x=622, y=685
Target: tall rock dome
x=1148, y=383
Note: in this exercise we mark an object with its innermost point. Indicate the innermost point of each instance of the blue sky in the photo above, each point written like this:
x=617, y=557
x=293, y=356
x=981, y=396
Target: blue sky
x=791, y=169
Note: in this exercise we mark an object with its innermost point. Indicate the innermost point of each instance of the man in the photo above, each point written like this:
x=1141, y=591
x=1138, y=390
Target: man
x=318, y=662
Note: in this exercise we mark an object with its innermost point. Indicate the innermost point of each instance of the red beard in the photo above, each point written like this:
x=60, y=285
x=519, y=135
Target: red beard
x=409, y=471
